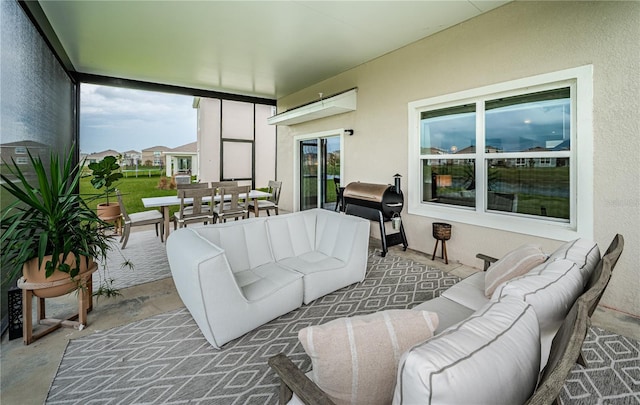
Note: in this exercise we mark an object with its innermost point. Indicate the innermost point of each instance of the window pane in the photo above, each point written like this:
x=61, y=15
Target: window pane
x=449, y=181
x=448, y=130
x=531, y=122
x=237, y=120
x=237, y=160
x=534, y=186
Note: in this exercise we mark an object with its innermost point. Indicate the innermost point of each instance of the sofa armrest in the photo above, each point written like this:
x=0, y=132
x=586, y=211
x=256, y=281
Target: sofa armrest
x=292, y=379
x=488, y=260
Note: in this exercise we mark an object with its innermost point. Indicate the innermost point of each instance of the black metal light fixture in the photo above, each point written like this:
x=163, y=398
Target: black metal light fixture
x=348, y=131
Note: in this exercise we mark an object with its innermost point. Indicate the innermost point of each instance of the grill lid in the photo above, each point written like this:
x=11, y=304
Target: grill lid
x=365, y=191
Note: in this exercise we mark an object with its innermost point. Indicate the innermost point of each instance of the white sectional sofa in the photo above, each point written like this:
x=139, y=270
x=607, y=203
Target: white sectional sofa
x=488, y=345
x=236, y=276
x=551, y=287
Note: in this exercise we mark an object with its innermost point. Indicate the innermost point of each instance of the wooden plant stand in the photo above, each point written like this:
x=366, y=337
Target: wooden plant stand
x=441, y=233
x=76, y=321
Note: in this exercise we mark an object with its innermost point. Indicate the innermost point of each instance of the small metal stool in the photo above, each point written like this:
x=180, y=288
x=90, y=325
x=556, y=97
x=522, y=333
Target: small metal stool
x=442, y=233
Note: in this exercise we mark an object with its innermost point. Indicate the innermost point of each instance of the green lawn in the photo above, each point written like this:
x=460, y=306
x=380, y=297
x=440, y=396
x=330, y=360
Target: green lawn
x=133, y=189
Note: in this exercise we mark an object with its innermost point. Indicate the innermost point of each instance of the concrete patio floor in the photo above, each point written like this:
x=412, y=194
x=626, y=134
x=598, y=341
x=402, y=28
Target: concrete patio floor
x=27, y=371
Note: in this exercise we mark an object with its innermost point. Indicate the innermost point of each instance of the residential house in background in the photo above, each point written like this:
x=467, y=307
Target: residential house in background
x=98, y=156
x=182, y=160
x=18, y=151
x=131, y=158
x=153, y=156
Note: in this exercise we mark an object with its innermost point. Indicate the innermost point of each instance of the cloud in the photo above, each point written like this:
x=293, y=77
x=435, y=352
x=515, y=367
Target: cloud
x=126, y=119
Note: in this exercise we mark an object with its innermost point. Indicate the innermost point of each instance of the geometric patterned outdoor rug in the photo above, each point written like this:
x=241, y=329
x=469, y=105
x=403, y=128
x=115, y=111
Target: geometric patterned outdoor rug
x=145, y=251
x=612, y=375
x=166, y=360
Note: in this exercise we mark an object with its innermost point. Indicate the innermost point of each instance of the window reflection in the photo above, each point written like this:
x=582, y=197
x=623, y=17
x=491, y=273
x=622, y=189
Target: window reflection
x=448, y=130
x=532, y=122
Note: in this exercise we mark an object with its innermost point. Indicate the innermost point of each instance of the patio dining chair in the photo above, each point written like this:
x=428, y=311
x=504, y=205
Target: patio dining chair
x=339, y=191
x=226, y=183
x=138, y=219
x=230, y=205
x=197, y=210
x=186, y=186
x=270, y=203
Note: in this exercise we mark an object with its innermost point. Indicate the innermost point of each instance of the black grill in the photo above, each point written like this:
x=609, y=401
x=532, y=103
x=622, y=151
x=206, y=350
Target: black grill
x=377, y=202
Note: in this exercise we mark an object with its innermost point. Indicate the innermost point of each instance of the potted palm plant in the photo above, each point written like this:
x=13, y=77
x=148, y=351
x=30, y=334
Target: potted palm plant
x=105, y=174
x=49, y=232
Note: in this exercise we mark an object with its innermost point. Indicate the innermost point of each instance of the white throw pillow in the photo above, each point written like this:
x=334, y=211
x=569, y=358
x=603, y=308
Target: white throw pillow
x=355, y=359
x=513, y=264
x=492, y=357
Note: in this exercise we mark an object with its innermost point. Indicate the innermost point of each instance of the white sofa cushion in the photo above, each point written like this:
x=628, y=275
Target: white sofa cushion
x=551, y=288
x=469, y=292
x=355, y=359
x=330, y=248
x=515, y=263
x=583, y=252
x=245, y=243
x=264, y=280
x=292, y=235
x=490, y=358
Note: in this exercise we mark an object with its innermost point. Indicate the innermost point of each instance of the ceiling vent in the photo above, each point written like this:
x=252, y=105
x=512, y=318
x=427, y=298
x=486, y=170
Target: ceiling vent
x=338, y=104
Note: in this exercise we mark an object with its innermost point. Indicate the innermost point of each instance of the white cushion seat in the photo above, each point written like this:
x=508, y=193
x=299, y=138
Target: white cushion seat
x=264, y=204
x=449, y=312
x=145, y=216
x=264, y=280
x=469, y=293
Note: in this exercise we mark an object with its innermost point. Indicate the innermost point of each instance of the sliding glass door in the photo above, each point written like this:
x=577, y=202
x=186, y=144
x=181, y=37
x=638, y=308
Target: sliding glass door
x=308, y=174
x=319, y=171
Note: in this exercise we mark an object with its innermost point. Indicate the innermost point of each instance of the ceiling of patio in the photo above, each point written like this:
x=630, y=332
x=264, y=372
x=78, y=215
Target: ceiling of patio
x=262, y=48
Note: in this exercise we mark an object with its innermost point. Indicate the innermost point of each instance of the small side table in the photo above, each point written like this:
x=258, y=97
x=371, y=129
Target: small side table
x=442, y=233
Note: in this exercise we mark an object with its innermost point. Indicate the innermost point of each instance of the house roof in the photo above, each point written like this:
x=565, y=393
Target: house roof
x=27, y=144
x=156, y=149
x=100, y=155
x=258, y=48
x=189, y=147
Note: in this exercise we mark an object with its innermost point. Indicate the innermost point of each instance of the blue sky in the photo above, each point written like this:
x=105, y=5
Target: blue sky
x=125, y=119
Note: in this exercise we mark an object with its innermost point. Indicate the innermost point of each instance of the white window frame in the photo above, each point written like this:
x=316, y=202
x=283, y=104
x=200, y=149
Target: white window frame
x=580, y=80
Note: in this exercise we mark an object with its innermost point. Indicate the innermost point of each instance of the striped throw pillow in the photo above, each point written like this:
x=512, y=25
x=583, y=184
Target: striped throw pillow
x=355, y=359
x=513, y=264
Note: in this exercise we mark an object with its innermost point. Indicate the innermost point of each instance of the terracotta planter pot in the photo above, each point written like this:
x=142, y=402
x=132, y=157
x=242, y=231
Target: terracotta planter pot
x=108, y=212
x=34, y=274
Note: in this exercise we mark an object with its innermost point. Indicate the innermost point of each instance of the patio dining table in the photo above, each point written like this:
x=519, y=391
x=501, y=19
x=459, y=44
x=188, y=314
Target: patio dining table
x=165, y=202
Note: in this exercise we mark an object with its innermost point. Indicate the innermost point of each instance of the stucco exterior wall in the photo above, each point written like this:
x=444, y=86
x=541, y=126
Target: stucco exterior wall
x=209, y=140
x=518, y=40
